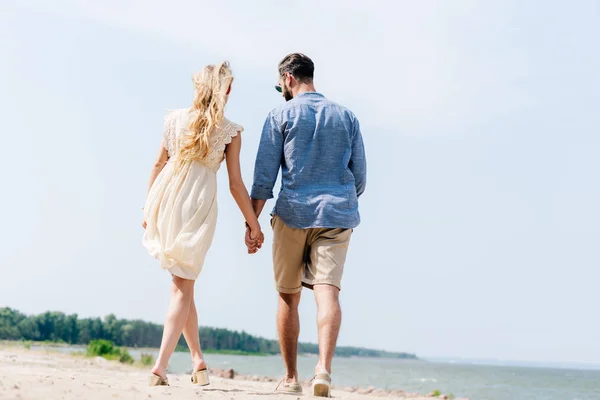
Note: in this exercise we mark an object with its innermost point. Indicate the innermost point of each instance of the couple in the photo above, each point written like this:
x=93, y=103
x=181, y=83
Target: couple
x=319, y=148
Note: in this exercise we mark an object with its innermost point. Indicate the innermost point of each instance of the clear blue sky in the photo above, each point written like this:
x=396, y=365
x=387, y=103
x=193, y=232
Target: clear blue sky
x=481, y=119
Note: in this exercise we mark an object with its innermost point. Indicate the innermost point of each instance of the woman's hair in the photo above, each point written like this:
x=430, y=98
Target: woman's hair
x=211, y=87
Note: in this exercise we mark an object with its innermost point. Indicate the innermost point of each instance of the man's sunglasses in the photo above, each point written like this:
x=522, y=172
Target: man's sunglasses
x=278, y=88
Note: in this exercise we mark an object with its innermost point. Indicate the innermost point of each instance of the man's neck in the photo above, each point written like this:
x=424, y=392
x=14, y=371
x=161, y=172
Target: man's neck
x=304, y=88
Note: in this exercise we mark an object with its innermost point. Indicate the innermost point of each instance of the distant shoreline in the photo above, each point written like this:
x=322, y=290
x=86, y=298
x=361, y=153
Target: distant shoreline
x=454, y=360
x=179, y=349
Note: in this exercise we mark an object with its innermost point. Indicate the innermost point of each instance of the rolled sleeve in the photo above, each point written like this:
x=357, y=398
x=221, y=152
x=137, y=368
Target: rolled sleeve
x=261, y=193
x=268, y=160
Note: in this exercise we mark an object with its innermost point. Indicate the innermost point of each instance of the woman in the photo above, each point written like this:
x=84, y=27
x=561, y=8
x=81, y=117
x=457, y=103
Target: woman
x=180, y=213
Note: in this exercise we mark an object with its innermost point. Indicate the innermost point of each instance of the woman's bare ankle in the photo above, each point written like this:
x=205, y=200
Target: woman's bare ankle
x=198, y=362
x=159, y=371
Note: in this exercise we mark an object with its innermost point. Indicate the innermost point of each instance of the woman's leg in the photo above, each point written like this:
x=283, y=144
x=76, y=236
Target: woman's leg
x=192, y=337
x=182, y=292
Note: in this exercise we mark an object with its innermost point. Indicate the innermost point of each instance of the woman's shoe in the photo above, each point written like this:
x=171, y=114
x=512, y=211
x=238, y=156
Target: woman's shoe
x=156, y=380
x=200, y=377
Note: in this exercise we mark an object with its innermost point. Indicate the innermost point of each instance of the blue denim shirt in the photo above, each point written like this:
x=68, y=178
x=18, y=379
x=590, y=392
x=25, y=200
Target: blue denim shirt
x=319, y=148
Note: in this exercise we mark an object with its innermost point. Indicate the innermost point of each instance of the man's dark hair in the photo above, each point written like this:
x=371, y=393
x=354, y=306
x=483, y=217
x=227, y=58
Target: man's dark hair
x=300, y=66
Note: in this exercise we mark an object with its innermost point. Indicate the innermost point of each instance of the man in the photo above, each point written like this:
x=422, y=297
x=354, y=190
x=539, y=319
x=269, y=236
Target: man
x=319, y=148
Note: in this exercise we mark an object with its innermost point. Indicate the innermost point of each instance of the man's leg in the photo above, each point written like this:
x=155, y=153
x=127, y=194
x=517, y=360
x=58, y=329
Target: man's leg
x=328, y=250
x=289, y=246
x=329, y=320
x=288, y=328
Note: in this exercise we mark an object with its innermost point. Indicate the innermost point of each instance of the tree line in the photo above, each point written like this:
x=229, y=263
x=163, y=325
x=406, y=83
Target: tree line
x=59, y=327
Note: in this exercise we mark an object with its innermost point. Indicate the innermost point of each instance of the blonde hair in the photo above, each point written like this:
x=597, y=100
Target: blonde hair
x=211, y=86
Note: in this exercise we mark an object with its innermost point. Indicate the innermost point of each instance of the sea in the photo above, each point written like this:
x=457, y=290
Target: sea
x=473, y=380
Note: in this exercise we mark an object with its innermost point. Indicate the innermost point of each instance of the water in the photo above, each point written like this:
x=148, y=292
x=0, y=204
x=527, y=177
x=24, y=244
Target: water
x=477, y=382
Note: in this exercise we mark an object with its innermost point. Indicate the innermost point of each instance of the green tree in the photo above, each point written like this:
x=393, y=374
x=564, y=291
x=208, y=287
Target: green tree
x=57, y=326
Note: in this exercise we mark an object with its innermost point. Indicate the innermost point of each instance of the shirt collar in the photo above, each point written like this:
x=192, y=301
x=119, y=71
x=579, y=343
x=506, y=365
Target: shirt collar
x=309, y=94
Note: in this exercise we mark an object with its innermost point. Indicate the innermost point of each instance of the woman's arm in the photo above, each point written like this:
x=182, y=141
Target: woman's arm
x=159, y=164
x=238, y=189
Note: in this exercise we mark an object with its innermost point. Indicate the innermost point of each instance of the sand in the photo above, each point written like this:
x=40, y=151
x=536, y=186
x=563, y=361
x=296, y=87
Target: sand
x=39, y=374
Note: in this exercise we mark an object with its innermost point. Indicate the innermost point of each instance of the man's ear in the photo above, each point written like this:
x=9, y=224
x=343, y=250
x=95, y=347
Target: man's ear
x=290, y=79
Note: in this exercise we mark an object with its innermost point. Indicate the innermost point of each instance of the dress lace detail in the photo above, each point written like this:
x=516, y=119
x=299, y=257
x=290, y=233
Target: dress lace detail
x=176, y=125
x=169, y=132
x=222, y=136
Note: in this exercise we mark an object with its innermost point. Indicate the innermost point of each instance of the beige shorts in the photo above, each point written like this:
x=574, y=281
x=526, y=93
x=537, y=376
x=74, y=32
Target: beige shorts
x=308, y=257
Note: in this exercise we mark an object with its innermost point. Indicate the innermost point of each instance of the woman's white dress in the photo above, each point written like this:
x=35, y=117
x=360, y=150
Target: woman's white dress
x=181, y=208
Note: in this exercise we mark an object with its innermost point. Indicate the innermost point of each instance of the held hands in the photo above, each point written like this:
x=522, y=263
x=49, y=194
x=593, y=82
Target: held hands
x=254, y=239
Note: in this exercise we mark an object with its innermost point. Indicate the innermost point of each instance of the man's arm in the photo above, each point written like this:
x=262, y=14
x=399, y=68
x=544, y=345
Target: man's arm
x=268, y=162
x=358, y=160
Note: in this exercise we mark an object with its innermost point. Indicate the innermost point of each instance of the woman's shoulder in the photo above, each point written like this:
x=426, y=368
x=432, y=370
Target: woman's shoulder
x=176, y=112
x=230, y=127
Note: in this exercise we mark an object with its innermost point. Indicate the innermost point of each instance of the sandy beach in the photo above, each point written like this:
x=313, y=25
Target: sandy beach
x=37, y=374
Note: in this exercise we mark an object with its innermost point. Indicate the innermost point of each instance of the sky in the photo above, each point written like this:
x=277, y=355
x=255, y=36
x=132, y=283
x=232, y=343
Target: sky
x=481, y=123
